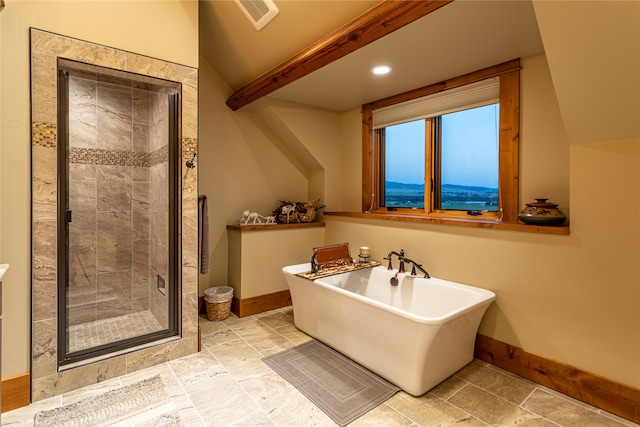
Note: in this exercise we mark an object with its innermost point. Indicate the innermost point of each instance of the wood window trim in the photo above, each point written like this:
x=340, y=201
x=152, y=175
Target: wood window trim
x=509, y=132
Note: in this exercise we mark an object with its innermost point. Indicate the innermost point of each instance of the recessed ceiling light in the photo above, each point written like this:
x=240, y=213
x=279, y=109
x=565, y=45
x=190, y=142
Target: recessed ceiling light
x=381, y=69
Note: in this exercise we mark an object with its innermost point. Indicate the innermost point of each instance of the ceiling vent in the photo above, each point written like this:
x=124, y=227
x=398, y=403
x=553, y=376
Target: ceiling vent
x=259, y=12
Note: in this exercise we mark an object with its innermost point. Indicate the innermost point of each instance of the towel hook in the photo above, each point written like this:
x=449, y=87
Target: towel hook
x=190, y=163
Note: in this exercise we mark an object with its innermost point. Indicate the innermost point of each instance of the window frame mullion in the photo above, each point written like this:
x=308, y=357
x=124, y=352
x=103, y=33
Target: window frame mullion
x=431, y=164
x=508, y=185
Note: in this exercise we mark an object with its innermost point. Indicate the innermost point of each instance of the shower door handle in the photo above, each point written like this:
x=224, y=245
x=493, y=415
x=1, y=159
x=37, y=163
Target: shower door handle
x=67, y=216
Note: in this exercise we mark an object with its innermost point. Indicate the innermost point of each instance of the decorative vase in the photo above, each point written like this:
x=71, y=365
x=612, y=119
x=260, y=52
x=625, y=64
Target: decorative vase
x=542, y=213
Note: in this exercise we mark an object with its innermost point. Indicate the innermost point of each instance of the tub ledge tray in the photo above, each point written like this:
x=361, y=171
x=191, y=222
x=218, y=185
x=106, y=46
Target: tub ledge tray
x=338, y=268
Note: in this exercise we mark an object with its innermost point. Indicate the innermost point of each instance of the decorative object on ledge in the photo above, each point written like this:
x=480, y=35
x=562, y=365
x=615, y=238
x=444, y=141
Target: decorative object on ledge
x=364, y=257
x=276, y=227
x=542, y=213
x=254, y=218
x=292, y=212
x=334, y=259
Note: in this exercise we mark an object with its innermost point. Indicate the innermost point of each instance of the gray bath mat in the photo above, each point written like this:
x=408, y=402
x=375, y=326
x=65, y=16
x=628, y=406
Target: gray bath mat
x=144, y=403
x=337, y=385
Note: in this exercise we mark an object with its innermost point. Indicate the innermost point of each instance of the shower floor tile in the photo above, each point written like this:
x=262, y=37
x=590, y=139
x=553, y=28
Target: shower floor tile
x=227, y=384
x=98, y=332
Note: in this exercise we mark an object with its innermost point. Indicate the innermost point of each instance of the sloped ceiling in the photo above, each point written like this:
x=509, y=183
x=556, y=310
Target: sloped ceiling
x=458, y=38
x=593, y=50
x=240, y=53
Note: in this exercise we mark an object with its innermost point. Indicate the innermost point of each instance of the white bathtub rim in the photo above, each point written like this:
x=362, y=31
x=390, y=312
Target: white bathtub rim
x=435, y=320
x=487, y=296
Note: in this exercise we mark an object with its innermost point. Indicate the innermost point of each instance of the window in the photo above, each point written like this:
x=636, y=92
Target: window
x=448, y=150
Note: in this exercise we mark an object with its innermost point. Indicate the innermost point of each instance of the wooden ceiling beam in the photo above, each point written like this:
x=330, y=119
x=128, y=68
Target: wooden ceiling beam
x=381, y=20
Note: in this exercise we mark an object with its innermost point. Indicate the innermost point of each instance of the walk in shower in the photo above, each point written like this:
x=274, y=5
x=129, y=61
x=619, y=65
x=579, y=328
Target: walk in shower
x=118, y=210
x=85, y=182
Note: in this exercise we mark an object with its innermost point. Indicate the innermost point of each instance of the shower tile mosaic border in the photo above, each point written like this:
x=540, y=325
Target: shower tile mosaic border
x=94, y=156
x=46, y=48
x=44, y=135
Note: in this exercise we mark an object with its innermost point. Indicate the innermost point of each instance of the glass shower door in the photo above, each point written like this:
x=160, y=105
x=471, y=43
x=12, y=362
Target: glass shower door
x=118, y=212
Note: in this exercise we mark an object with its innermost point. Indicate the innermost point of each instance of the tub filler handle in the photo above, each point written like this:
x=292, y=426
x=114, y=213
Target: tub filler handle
x=414, y=266
x=401, y=258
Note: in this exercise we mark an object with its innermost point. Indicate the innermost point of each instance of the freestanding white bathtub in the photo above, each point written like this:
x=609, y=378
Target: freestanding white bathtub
x=414, y=335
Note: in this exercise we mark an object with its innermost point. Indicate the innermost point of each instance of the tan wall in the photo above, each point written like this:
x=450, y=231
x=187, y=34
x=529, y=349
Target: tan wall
x=572, y=298
x=165, y=30
x=593, y=48
x=312, y=136
x=256, y=258
x=243, y=165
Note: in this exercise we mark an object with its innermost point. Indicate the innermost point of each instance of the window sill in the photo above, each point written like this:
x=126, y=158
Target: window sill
x=479, y=223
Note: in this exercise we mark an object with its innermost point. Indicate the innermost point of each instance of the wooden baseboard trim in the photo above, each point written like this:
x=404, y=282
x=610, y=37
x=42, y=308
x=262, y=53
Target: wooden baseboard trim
x=600, y=392
x=201, y=307
x=254, y=305
x=16, y=392
x=259, y=304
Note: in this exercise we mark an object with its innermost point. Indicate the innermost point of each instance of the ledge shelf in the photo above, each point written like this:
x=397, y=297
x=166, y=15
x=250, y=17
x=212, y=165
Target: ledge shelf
x=562, y=230
x=258, y=227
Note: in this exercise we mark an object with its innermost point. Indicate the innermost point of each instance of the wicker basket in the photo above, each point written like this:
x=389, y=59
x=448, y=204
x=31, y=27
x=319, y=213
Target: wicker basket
x=218, y=302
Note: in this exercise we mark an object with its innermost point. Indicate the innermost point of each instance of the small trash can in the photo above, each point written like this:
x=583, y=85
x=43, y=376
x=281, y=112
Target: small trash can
x=218, y=302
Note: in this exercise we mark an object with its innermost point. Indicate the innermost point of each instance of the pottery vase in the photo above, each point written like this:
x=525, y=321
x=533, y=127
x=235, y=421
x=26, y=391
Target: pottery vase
x=542, y=213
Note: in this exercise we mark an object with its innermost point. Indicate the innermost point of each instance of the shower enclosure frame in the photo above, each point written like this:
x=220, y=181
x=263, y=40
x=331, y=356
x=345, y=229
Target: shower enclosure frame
x=64, y=216
x=47, y=378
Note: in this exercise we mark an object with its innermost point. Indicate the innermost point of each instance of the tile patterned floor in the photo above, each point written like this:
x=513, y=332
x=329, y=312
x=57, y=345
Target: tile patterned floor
x=98, y=332
x=227, y=384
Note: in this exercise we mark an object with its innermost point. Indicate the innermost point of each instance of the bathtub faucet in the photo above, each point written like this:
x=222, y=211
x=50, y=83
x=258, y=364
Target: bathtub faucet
x=414, y=266
x=401, y=258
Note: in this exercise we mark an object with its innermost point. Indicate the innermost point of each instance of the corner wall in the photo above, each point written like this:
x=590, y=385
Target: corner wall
x=244, y=166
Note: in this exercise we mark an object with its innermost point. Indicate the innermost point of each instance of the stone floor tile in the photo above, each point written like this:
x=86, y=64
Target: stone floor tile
x=257, y=419
x=283, y=403
x=209, y=327
x=427, y=409
x=564, y=412
x=277, y=348
x=488, y=407
x=382, y=416
x=293, y=334
x=224, y=403
x=219, y=337
x=260, y=336
x=506, y=386
x=197, y=372
x=448, y=387
x=228, y=384
x=276, y=319
x=234, y=321
x=240, y=359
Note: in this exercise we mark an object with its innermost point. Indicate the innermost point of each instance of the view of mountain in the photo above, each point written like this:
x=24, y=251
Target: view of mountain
x=453, y=196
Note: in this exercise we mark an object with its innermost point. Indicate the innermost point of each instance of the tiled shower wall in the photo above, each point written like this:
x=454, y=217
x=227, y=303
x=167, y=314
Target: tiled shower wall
x=47, y=379
x=118, y=132
x=158, y=205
